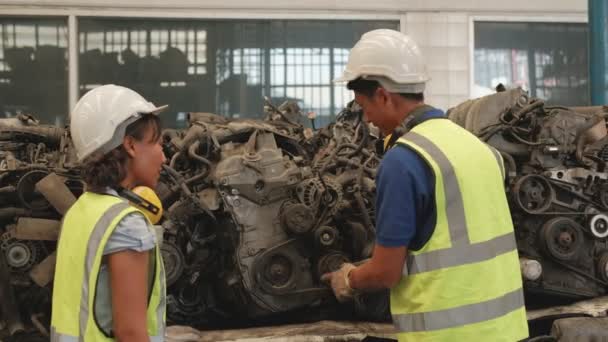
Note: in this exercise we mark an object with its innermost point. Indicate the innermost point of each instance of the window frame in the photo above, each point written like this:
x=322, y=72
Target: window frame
x=73, y=14
x=569, y=19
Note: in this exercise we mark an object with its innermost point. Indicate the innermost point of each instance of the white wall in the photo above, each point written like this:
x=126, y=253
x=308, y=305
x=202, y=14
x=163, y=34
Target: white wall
x=443, y=28
x=444, y=40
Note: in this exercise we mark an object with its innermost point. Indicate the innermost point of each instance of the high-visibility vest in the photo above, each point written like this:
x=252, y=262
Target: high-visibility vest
x=464, y=284
x=85, y=231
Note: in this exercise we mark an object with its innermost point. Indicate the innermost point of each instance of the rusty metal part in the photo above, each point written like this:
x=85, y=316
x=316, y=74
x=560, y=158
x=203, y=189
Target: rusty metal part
x=36, y=321
x=43, y=273
x=533, y=194
x=8, y=306
x=297, y=218
x=29, y=228
x=174, y=261
x=56, y=192
x=563, y=238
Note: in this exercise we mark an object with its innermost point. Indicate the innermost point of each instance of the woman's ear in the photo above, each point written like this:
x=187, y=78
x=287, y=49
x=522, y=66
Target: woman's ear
x=128, y=143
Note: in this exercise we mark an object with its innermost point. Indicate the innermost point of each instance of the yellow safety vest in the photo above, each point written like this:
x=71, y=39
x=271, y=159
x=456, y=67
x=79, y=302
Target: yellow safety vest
x=464, y=284
x=86, y=228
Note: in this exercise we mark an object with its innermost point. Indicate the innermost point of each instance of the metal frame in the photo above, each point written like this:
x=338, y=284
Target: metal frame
x=73, y=13
x=579, y=18
x=72, y=62
x=202, y=14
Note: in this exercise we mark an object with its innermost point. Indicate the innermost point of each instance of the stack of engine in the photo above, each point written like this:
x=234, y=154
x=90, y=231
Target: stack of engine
x=38, y=182
x=257, y=210
x=557, y=185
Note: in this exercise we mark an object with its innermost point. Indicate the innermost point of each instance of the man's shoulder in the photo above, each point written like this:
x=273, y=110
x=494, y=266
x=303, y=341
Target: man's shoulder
x=402, y=155
x=401, y=164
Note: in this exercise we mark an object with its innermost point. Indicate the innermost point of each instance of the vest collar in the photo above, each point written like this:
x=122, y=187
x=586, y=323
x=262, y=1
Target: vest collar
x=413, y=119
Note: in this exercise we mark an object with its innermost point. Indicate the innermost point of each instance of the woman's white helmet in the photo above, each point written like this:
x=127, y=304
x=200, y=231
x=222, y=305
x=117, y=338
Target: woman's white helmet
x=100, y=117
x=389, y=57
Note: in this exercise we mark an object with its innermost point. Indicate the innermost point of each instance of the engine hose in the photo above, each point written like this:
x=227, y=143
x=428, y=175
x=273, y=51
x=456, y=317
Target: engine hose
x=511, y=161
x=179, y=180
x=524, y=141
x=194, y=133
x=363, y=142
x=528, y=108
x=489, y=132
x=366, y=219
x=192, y=154
x=198, y=177
x=349, y=162
x=174, y=159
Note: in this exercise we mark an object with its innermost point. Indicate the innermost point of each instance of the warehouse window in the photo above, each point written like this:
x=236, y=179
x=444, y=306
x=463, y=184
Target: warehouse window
x=33, y=68
x=222, y=66
x=165, y=61
x=548, y=59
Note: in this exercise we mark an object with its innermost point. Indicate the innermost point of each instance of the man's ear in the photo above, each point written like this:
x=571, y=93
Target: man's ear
x=128, y=143
x=382, y=96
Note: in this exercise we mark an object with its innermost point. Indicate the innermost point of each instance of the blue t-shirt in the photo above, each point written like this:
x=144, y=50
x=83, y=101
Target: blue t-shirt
x=405, y=197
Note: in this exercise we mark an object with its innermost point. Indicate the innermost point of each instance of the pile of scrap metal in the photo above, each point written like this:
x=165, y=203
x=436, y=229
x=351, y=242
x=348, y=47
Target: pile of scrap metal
x=255, y=212
x=557, y=184
x=38, y=183
x=258, y=210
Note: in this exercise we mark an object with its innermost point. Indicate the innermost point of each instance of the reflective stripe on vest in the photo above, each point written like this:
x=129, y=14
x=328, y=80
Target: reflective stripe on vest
x=421, y=316
x=160, y=312
x=498, y=160
x=462, y=251
x=91, y=255
x=92, y=247
x=57, y=337
x=462, y=315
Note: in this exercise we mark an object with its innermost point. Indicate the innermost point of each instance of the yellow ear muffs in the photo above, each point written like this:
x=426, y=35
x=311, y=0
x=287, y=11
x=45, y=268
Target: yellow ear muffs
x=145, y=199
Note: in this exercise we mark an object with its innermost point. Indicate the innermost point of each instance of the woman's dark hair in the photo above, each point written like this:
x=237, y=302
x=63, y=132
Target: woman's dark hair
x=102, y=171
x=368, y=88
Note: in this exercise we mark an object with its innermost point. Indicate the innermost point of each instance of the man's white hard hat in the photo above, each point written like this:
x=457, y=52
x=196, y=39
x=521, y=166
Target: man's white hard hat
x=389, y=57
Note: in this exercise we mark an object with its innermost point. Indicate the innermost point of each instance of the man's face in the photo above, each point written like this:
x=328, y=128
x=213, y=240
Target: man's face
x=375, y=109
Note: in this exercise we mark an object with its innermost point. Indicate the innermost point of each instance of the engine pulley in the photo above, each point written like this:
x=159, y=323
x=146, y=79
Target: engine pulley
x=562, y=238
x=173, y=259
x=533, y=194
x=599, y=226
x=602, y=266
x=326, y=236
x=297, y=218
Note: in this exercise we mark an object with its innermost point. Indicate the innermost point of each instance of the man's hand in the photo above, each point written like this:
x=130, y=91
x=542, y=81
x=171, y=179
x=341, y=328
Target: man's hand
x=339, y=282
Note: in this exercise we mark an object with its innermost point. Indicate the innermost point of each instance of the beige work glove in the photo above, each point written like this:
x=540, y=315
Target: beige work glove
x=339, y=282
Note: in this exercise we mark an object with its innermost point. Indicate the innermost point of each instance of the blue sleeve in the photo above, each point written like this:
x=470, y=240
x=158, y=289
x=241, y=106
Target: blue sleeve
x=132, y=233
x=404, y=195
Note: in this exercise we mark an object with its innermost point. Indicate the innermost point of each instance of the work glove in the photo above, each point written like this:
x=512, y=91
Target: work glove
x=339, y=282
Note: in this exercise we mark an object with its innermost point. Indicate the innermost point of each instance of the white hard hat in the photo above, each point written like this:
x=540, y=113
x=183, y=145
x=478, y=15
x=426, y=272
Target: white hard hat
x=389, y=57
x=100, y=117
